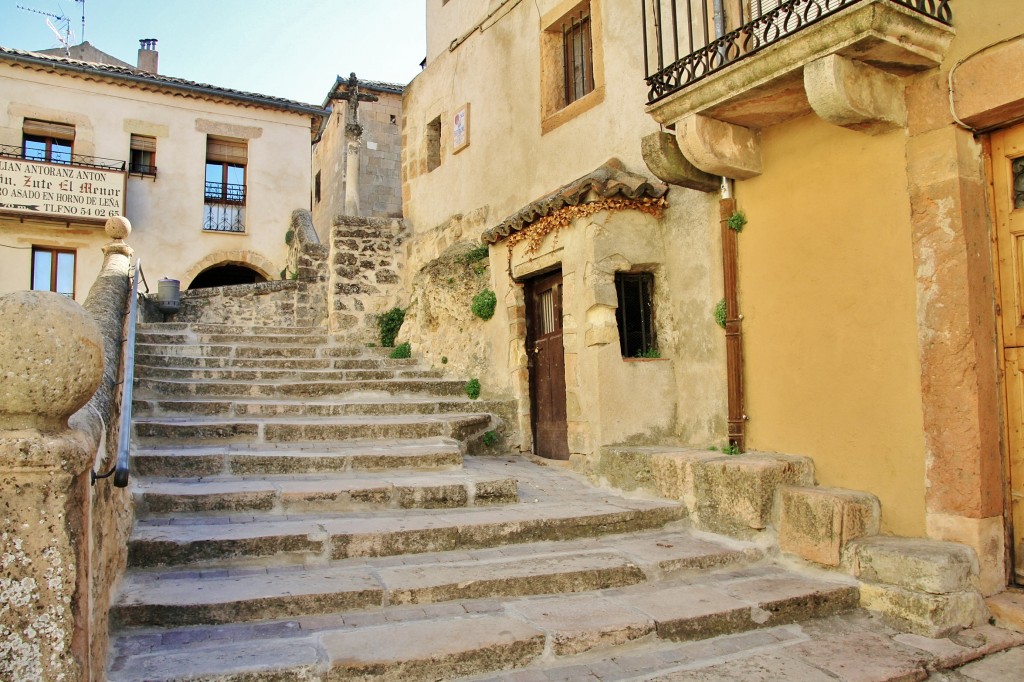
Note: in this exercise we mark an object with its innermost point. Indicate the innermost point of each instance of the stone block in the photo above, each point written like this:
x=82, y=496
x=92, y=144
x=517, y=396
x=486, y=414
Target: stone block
x=1008, y=610
x=929, y=615
x=673, y=473
x=929, y=566
x=816, y=523
x=736, y=494
x=626, y=468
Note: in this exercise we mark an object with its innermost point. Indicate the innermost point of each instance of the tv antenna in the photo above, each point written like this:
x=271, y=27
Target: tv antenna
x=62, y=29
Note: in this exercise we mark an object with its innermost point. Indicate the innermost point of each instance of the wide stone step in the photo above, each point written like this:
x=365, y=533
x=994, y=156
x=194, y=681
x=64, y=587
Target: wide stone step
x=190, y=461
x=155, y=430
x=165, y=598
x=364, y=404
x=208, y=328
x=225, y=541
x=337, y=493
x=291, y=375
x=430, y=643
x=252, y=338
x=309, y=389
x=272, y=363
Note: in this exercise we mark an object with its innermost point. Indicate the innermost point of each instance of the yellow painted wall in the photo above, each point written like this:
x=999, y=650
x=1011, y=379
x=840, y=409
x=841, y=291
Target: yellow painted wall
x=827, y=290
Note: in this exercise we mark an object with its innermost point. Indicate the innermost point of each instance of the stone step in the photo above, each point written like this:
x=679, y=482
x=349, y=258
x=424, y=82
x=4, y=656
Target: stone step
x=254, y=352
x=155, y=430
x=292, y=375
x=489, y=636
x=363, y=404
x=220, y=362
x=177, y=598
x=149, y=388
x=308, y=494
x=250, y=338
x=241, y=539
x=296, y=458
x=207, y=328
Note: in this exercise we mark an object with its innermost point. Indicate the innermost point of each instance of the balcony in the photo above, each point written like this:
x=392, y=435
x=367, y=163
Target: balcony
x=724, y=69
x=17, y=152
x=224, y=209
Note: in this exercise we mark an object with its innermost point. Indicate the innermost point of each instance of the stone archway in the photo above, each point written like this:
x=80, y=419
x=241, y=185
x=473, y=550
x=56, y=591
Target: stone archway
x=254, y=261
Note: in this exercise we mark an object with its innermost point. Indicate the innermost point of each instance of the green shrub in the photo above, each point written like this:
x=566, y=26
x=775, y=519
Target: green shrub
x=401, y=351
x=289, y=236
x=483, y=304
x=650, y=353
x=388, y=324
x=444, y=359
x=473, y=389
x=491, y=438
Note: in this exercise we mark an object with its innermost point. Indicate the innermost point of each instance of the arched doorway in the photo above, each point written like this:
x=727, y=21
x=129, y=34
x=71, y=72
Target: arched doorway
x=225, y=274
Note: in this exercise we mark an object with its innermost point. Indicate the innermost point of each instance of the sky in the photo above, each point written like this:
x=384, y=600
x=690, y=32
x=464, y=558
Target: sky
x=292, y=49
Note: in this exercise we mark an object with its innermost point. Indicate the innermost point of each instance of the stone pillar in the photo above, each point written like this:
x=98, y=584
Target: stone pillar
x=352, y=144
x=51, y=353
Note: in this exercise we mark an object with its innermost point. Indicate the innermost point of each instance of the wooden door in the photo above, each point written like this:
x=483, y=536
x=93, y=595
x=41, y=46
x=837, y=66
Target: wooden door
x=1008, y=193
x=547, y=366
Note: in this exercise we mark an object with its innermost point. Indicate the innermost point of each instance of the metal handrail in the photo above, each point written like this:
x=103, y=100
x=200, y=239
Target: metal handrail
x=122, y=465
x=14, y=152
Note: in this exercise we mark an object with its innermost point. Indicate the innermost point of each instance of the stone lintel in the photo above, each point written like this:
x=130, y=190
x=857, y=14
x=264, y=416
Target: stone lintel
x=982, y=94
x=853, y=95
x=663, y=158
x=881, y=34
x=720, y=148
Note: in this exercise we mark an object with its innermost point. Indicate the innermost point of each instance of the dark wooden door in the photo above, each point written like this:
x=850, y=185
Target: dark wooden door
x=547, y=366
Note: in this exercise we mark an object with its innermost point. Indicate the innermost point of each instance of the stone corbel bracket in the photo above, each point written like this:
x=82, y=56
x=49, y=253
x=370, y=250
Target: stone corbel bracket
x=664, y=159
x=720, y=148
x=854, y=95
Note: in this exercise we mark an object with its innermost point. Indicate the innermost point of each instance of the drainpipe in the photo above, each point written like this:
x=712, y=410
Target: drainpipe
x=733, y=320
x=719, y=10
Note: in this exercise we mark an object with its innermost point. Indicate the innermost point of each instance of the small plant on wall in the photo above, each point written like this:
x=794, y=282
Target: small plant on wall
x=401, y=352
x=483, y=304
x=720, y=313
x=736, y=221
x=473, y=389
x=491, y=438
x=388, y=325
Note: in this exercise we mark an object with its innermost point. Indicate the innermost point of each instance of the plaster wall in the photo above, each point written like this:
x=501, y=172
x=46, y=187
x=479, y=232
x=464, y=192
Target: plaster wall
x=166, y=212
x=517, y=154
x=827, y=291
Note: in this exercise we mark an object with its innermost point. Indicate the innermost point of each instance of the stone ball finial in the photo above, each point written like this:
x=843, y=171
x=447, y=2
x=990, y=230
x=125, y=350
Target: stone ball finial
x=51, y=360
x=118, y=227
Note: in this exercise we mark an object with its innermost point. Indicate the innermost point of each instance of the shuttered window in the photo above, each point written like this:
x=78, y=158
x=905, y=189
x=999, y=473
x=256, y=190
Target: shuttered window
x=226, y=150
x=143, y=155
x=46, y=141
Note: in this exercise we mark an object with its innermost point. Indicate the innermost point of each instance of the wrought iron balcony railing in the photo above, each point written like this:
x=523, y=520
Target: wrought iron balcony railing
x=688, y=40
x=224, y=193
x=14, y=152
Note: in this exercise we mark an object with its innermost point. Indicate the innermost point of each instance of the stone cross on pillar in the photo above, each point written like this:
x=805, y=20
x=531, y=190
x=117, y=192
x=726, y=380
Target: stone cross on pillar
x=353, y=132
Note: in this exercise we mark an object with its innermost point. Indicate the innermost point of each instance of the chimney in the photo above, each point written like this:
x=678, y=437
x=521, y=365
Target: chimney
x=148, y=55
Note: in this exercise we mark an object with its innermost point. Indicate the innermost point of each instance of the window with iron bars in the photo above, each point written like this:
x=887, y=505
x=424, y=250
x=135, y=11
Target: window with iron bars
x=635, y=314
x=577, y=55
x=224, y=194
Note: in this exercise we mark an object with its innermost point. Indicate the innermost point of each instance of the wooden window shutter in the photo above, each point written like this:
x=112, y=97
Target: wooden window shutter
x=60, y=131
x=143, y=143
x=226, y=150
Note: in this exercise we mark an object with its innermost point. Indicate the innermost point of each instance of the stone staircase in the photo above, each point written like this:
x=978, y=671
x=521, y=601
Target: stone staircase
x=306, y=510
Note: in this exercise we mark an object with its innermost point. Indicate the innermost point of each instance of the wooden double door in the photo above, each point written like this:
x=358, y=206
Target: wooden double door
x=546, y=363
x=1008, y=193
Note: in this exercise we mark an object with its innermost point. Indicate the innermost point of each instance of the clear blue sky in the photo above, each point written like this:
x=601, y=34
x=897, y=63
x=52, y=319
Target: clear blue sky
x=289, y=48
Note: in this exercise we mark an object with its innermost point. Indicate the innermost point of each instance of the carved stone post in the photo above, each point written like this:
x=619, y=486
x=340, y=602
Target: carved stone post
x=51, y=361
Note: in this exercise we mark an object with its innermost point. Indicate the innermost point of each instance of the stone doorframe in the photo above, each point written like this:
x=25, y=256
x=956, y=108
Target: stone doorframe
x=249, y=259
x=948, y=167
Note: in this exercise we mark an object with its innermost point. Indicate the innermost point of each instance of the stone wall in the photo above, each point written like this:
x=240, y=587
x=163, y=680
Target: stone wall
x=365, y=261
